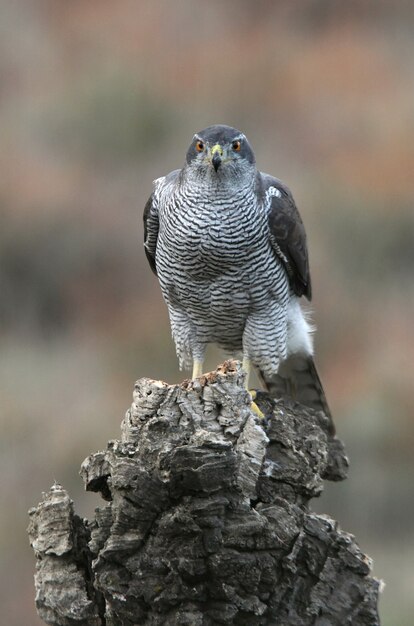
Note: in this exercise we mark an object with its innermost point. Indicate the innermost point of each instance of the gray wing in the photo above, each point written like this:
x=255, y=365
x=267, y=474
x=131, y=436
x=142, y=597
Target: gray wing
x=151, y=227
x=151, y=219
x=287, y=235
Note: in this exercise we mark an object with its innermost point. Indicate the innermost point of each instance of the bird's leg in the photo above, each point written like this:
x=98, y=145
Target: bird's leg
x=247, y=366
x=197, y=368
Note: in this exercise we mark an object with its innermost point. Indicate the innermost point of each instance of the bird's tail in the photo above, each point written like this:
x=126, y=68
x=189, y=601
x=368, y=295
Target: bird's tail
x=298, y=379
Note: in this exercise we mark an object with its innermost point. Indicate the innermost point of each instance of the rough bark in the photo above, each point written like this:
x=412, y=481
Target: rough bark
x=207, y=519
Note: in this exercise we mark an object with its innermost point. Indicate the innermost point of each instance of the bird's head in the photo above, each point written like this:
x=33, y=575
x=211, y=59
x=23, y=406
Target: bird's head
x=220, y=152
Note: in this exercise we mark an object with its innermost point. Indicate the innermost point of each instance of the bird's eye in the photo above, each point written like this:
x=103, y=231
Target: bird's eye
x=199, y=146
x=236, y=145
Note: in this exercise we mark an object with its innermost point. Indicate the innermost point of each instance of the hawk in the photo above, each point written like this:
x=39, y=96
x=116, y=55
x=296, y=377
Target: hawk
x=229, y=248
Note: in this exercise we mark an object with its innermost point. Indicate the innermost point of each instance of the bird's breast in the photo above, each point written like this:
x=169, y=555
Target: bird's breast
x=209, y=238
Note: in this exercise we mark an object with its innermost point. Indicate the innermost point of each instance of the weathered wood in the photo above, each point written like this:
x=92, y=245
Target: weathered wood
x=64, y=590
x=207, y=520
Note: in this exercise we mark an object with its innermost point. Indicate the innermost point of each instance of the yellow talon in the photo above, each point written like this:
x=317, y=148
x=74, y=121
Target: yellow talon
x=254, y=406
x=247, y=366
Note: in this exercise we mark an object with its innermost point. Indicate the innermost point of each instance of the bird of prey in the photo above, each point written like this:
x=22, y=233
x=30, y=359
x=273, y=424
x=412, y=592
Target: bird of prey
x=229, y=248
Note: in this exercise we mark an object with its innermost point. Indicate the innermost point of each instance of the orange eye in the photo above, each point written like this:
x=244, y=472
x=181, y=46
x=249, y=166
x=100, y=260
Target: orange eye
x=199, y=146
x=236, y=145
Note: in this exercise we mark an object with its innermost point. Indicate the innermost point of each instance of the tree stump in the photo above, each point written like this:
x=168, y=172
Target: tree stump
x=206, y=521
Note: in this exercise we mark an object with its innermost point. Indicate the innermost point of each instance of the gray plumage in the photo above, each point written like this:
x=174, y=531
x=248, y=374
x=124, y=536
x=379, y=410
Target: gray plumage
x=229, y=248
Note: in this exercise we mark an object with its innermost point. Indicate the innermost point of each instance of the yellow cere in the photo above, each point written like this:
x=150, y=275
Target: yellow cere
x=217, y=148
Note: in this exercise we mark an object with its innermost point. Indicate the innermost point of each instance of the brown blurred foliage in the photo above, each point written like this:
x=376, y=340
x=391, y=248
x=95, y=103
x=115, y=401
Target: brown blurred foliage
x=99, y=98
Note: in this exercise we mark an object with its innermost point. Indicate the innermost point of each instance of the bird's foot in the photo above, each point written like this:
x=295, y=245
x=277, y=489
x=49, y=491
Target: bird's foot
x=247, y=366
x=254, y=406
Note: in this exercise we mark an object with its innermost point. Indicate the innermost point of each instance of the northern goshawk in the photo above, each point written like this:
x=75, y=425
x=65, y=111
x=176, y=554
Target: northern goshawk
x=229, y=249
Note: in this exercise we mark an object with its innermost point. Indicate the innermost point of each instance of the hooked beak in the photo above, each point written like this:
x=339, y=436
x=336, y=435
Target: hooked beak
x=216, y=153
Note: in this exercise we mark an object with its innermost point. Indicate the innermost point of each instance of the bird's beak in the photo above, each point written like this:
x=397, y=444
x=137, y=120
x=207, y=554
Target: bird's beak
x=216, y=156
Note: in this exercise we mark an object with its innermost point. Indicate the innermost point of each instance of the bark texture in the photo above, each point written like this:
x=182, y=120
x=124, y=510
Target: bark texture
x=207, y=519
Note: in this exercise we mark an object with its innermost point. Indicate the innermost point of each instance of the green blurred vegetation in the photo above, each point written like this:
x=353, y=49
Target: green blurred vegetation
x=52, y=274
x=100, y=98
x=109, y=120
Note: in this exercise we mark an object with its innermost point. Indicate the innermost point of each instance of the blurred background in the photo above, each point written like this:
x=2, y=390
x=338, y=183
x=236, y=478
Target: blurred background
x=99, y=98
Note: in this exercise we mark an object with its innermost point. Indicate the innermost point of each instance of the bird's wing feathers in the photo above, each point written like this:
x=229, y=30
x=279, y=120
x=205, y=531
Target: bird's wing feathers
x=287, y=235
x=151, y=219
x=151, y=226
